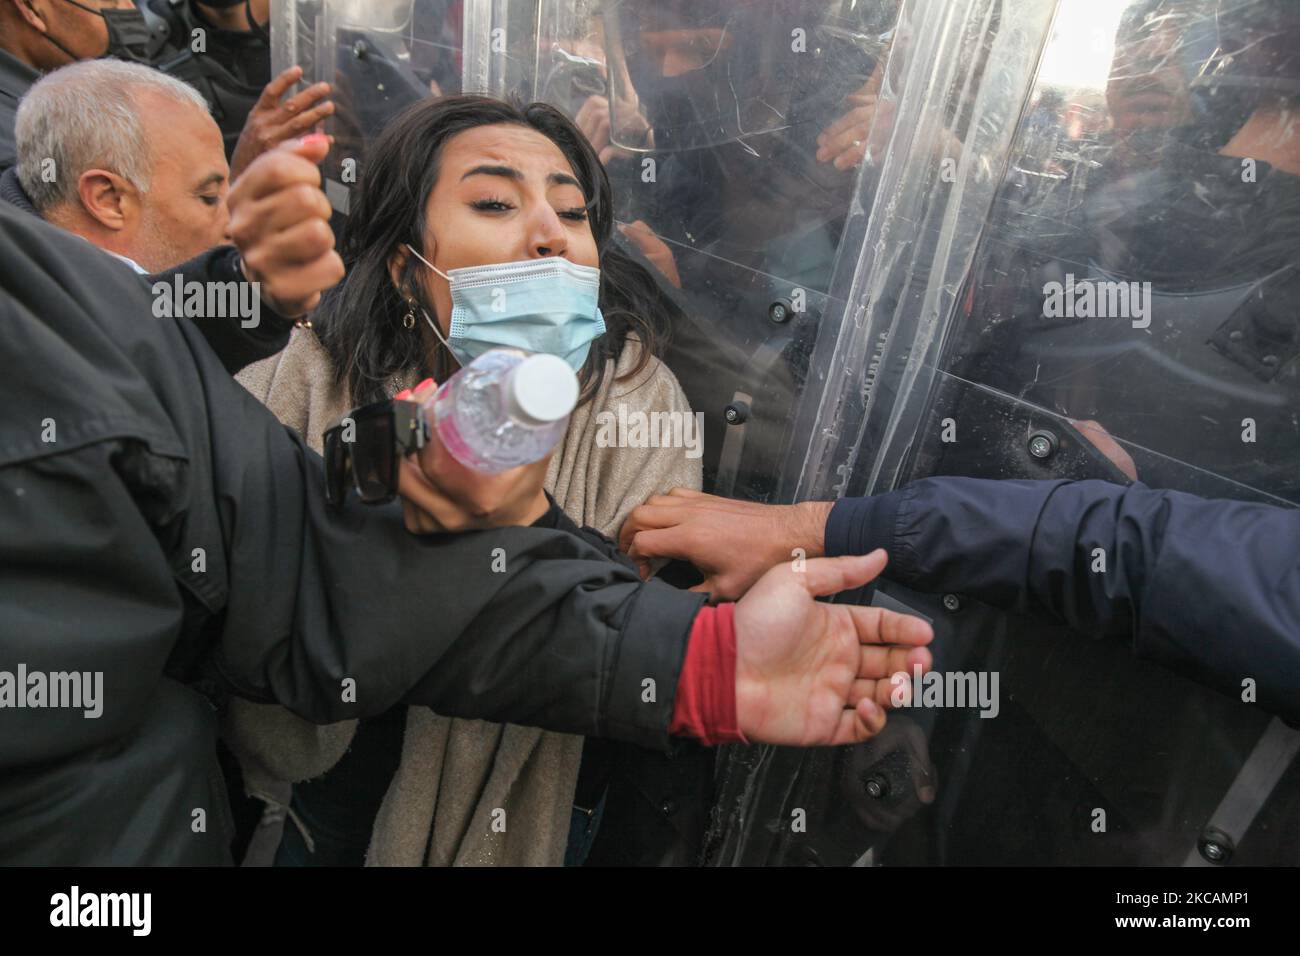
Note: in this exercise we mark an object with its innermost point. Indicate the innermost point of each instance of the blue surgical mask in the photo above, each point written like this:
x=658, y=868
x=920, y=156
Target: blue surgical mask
x=538, y=305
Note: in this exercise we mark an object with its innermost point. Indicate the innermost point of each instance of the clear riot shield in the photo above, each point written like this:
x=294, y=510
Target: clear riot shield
x=380, y=56
x=1080, y=260
x=970, y=237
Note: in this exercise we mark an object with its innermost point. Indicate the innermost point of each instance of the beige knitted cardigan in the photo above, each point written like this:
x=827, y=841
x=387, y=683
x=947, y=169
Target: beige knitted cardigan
x=467, y=792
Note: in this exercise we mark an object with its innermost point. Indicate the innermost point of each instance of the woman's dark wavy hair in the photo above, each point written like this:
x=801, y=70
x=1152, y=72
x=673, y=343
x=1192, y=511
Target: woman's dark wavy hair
x=359, y=321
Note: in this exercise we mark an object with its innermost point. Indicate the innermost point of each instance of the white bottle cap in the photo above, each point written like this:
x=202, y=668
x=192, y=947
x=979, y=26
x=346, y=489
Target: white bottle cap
x=541, y=389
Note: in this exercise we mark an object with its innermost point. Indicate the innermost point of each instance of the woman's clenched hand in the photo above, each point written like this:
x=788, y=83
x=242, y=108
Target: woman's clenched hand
x=439, y=494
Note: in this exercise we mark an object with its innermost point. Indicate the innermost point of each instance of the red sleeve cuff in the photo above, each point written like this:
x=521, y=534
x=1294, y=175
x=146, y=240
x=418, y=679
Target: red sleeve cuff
x=705, y=706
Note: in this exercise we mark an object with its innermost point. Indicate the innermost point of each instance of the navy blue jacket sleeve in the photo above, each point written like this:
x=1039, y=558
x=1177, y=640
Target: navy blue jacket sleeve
x=1209, y=588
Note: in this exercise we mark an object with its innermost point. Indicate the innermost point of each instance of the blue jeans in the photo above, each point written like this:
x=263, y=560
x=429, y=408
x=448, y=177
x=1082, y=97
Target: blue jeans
x=582, y=833
x=339, y=808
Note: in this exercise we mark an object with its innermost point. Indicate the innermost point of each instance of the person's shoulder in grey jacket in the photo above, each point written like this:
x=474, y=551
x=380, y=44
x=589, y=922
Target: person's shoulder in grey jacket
x=1208, y=588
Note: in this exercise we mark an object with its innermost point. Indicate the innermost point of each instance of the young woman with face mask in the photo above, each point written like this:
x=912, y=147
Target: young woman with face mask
x=460, y=197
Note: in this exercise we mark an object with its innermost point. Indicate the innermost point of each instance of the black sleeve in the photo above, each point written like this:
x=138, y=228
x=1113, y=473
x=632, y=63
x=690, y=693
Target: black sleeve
x=1209, y=588
x=237, y=342
x=342, y=614
x=556, y=519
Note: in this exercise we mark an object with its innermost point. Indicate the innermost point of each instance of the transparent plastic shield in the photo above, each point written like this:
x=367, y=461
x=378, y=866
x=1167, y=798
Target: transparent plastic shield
x=379, y=55
x=1134, y=270
x=733, y=136
x=1110, y=293
x=690, y=74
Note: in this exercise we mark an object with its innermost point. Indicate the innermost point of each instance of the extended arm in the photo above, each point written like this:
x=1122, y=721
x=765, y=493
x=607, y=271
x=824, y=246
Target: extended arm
x=1210, y=588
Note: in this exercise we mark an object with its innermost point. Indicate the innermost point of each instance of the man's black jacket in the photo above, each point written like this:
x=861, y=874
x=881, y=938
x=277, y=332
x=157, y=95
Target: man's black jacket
x=159, y=526
x=1208, y=588
x=235, y=345
x=16, y=78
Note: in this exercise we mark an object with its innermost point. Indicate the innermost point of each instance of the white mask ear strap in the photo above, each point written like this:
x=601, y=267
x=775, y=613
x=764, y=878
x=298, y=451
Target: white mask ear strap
x=434, y=325
x=427, y=262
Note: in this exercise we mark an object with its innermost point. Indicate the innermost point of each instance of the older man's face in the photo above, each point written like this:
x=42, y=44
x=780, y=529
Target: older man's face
x=184, y=212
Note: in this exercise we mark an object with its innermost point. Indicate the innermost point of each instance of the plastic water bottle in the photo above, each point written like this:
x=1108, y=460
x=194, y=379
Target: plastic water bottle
x=506, y=408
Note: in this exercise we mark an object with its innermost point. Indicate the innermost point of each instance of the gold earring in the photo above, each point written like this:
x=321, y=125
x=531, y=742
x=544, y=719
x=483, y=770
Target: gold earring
x=408, y=320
